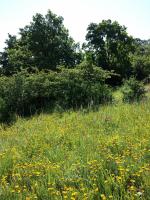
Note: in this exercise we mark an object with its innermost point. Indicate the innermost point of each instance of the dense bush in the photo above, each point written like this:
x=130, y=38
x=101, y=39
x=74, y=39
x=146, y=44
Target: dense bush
x=133, y=90
x=26, y=94
x=3, y=111
x=141, y=66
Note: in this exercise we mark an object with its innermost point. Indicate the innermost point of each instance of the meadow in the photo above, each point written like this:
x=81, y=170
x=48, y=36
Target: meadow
x=78, y=155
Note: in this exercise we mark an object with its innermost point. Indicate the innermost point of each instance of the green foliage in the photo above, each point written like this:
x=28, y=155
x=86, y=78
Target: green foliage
x=141, y=59
x=141, y=66
x=2, y=110
x=44, y=44
x=110, y=47
x=133, y=90
x=24, y=93
x=83, y=86
x=6, y=116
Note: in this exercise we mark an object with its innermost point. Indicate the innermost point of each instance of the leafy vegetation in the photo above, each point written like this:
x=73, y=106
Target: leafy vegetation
x=133, y=90
x=25, y=94
x=78, y=153
x=110, y=46
x=44, y=44
x=141, y=60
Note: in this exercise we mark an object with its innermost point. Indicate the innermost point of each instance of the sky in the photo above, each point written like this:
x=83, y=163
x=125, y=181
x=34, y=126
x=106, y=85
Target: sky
x=77, y=14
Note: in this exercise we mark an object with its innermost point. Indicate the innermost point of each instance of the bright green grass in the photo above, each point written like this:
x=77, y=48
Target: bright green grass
x=78, y=155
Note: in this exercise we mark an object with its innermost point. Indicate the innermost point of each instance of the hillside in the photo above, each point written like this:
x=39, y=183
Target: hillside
x=74, y=100
x=78, y=155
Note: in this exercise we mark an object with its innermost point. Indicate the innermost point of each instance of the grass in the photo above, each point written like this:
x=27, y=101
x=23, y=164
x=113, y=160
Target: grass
x=78, y=155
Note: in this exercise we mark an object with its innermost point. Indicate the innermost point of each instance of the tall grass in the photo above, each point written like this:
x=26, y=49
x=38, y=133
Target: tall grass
x=78, y=155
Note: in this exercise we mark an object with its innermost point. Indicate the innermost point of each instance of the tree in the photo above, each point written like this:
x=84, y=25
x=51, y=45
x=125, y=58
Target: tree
x=141, y=59
x=110, y=47
x=4, y=61
x=45, y=43
x=15, y=57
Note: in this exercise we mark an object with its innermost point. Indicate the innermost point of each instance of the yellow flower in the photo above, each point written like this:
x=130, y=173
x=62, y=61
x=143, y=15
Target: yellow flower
x=132, y=188
x=103, y=197
x=74, y=193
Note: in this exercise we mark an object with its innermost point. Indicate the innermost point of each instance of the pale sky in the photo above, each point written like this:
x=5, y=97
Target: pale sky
x=77, y=14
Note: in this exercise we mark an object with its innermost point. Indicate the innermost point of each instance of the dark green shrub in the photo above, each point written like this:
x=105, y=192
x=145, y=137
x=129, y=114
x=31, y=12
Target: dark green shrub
x=3, y=110
x=83, y=86
x=25, y=93
x=5, y=115
x=133, y=90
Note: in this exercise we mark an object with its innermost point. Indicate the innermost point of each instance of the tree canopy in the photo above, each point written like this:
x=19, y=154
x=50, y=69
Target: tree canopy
x=141, y=59
x=110, y=46
x=44, y=43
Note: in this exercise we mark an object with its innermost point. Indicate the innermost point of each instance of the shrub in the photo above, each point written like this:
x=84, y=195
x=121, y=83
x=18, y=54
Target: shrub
x=83, y=86
x=26, y=94
x=6, y=116
x=133, y=90
x=2, y=110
